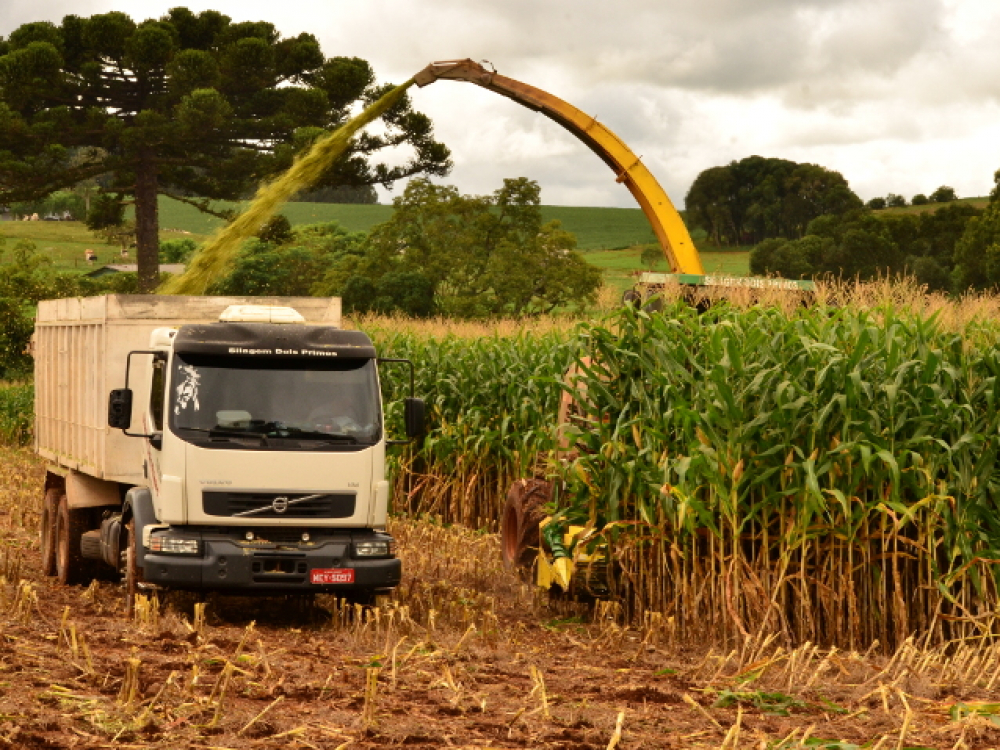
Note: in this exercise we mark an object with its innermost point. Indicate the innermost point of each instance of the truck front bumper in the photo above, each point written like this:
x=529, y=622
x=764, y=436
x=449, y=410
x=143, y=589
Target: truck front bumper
x=228, y=563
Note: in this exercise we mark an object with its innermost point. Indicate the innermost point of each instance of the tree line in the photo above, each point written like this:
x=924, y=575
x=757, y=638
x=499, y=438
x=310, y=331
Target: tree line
x=441, y=253
x=863, y=244
x=804, y=221
x=952, y=249
x=944, y=194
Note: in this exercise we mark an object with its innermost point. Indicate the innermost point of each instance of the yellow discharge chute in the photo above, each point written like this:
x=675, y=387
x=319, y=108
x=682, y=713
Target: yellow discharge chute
x=673, y=236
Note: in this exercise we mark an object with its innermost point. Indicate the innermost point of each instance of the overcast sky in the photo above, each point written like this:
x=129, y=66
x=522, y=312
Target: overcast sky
x=898, y=95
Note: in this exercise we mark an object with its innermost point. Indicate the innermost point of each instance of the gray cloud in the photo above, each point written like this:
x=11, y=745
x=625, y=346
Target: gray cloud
x=899, y=95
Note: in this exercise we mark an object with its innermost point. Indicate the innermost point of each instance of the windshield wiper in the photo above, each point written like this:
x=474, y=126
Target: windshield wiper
x=327, y=437
x=283, y=432
x=297, y=433
x=217, y=432
x=279, y=430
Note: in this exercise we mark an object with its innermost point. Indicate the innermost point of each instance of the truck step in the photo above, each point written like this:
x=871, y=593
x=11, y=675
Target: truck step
x=90, y=545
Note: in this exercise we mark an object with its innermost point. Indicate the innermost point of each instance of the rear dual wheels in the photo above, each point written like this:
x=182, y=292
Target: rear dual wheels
x=50, y=509
x=70, y=525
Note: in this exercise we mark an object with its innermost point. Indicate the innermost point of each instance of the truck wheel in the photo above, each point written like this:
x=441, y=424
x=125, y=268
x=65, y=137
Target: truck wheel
x=50, y=509
x=522, y=515
x=71, y=523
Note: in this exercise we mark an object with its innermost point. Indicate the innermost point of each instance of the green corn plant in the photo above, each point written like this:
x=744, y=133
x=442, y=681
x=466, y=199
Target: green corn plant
x=491, y=403
x=830, y=474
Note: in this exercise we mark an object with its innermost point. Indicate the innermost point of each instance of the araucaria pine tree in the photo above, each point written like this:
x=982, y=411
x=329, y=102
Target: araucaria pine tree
x=191, y=106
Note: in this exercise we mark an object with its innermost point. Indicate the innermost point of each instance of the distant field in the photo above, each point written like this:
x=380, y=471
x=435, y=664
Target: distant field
x=602, y=228
x=62, y=241
x=932, y=207
x=595, y=228
x=65, y=242
x=611, y=238
x=356, y=218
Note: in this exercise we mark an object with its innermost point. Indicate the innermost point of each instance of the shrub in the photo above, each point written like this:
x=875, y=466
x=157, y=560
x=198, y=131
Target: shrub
x=16, y=327
x=177, y=251
x=17, y=409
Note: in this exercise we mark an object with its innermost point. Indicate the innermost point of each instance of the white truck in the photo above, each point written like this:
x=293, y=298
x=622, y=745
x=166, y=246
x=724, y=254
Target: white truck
x=213, y=443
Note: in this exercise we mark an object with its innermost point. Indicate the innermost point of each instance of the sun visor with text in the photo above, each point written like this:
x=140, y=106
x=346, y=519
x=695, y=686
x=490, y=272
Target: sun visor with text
x=273, y=340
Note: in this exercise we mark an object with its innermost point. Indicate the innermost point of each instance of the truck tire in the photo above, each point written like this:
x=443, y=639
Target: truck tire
x=522, y=515
x=71, y=523
x=50, y=509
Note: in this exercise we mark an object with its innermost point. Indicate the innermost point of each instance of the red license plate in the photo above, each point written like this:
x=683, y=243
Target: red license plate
x=331, y=575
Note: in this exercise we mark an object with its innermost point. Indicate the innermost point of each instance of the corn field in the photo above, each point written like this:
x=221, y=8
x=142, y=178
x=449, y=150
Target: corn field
x=829, y=474
x=491, y=402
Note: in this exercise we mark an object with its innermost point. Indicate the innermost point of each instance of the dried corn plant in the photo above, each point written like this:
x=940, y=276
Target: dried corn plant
x=370, y=706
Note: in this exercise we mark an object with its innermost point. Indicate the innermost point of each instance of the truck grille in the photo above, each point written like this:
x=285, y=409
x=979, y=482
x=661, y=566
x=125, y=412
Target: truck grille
x=252, y=505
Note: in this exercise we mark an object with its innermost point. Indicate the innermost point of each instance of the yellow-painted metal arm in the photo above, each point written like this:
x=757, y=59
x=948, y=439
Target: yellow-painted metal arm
x=680, y=252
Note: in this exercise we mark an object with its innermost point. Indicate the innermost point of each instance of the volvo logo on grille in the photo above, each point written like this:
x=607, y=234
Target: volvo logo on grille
x=280, y=504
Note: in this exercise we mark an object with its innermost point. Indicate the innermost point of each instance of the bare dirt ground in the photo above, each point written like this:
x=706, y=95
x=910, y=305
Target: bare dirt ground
x=463, y=655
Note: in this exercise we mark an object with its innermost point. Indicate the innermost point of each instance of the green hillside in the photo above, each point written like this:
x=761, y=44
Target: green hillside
x=932, y=207
x=595, y=228
x=611, y=238
x=354, y=217
x=602, y=228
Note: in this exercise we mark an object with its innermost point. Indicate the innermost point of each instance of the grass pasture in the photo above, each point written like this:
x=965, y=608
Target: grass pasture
x=932, y=207
x=64, y=242
x=595, y=228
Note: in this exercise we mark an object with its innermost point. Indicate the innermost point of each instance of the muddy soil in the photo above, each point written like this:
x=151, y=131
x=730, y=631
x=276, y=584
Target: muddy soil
x=463, y=655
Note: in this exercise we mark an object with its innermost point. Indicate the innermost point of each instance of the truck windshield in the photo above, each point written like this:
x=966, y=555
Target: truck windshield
x=277, y=404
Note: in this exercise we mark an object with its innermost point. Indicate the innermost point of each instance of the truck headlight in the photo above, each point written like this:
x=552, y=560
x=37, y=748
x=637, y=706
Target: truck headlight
x=375, y=548
x=173, y=545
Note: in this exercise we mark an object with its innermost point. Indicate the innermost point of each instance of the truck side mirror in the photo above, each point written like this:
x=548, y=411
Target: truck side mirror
x=414, y=417
x=120, y=409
